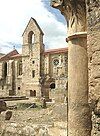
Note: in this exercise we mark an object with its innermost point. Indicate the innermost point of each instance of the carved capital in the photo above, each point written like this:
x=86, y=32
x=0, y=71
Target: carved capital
x=74, y=12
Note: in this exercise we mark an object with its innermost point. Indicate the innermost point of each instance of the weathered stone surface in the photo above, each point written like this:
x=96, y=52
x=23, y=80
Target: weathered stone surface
x=43, y=132
x=8, y=115
x=74, y=13
x=3, y=106
x=15, y=129
x=93, y=41
x=28, y=131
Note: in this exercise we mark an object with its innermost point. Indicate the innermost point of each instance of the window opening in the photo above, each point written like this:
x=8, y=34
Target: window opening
x=18, y=88
x=33, y=73
x=31, y=37
x=52, y=86
x=5, y=70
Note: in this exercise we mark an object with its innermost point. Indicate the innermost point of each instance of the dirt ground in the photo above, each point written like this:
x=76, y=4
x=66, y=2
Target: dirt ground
x=54, y=117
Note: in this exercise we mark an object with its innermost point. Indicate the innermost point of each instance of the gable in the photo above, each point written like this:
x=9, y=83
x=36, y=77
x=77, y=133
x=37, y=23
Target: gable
x=31, y=22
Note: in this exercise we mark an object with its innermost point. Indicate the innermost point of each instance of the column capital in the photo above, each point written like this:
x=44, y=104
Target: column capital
x=77, y=35
x=74, y=12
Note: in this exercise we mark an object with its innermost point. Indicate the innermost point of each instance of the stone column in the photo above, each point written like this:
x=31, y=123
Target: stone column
x=79, y=123
x=79, y=117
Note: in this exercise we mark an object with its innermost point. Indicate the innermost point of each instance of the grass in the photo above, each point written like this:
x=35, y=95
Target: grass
x=29, y=106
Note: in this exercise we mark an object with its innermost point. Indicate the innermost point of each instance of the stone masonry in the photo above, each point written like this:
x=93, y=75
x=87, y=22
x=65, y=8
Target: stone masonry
x=93, y=42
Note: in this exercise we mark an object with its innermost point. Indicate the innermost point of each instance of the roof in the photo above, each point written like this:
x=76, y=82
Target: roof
x=55, y=51
x=9, y=55
x=16, y=56
x=32, y=19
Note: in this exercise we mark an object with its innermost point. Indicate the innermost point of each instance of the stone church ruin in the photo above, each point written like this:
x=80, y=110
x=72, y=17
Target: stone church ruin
x=36, y=72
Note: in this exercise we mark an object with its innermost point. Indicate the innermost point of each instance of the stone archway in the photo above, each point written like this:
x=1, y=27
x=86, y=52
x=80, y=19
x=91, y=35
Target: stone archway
x=48, y=84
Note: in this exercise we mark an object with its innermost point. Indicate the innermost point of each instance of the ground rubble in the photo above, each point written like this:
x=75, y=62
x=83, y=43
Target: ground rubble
x=51, y=121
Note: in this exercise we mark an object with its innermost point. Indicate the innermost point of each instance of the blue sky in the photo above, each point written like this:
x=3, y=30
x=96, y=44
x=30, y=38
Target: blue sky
x=14, y=16
x=54, y=11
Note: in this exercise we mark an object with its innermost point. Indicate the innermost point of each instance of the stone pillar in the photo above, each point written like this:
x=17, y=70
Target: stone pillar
x=79, y=123
x=79, y=117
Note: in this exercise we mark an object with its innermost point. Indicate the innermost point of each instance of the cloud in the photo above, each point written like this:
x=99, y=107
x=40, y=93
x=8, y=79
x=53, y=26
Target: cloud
x=14, y=16
x=6, y=47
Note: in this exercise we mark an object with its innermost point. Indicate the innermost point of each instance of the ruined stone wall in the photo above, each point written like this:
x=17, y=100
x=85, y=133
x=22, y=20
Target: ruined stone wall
x=93, y=41
x=5, y=82
x=56, y=65
x=10, y=84
x=56, y=68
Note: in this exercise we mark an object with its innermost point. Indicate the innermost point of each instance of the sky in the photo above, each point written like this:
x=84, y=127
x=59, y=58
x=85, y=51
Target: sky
x=14, y=16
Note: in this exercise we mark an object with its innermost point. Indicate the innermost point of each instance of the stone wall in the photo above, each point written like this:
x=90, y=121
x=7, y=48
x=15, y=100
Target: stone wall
x=56, y=67
x=93, y=40
x=32, y=52
x=56, y=64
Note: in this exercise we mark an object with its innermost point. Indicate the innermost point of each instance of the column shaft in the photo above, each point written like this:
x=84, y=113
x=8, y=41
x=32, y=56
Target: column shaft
x=79, y=121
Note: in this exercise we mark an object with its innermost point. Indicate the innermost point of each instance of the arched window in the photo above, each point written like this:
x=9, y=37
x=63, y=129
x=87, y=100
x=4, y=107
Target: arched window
x=52, y=85
x=19, y=68
x=4, y=69
x=31, y=37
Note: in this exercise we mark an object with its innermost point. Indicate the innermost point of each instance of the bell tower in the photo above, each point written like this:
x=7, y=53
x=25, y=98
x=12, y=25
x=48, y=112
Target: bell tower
x=32, y=58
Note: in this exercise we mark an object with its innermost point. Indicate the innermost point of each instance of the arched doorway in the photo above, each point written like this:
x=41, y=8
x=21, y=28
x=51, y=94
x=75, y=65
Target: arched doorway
x=32, y=93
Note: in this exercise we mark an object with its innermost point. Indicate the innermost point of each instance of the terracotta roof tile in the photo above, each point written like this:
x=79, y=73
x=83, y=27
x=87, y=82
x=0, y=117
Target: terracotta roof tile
x=16, y=56
x=53, y=51
x=9, y=55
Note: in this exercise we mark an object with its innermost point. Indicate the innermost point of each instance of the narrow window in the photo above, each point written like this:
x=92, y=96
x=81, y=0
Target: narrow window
x=4, y=69
x=20, y=68
x=33, y=73
x=31, y=37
